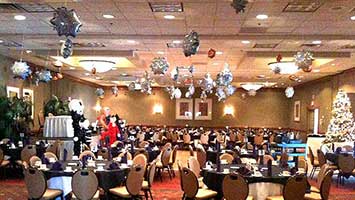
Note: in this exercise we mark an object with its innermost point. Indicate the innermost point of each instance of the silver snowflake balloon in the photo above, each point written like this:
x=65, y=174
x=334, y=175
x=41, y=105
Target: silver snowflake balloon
x=277, y=70
x=203, y=95
x=304, y=59
x=191, y=44
x=239, y=5
x=159, y=65
x=177, y=93
x=207, y=84
x=175, y=74
x=170, y=90
x=190, y=91
x=289, y=92
x=66, y=22
x=21, y=70
x=100, y=93
x=229, y=90
x=44, y=76
x=220, y=93
x=225, y=77
x=146, y=84
x=132, y=86
x=114, y=90
x=191, y=69
x=67, y=48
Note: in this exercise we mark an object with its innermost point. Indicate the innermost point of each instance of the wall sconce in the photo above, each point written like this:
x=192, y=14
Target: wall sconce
x=229, y=110
x=97, y=108
x=157, y=109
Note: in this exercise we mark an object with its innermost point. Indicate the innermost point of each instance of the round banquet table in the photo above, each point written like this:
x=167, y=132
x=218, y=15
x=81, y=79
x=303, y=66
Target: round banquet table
x=15, y=153
x=211, y=155
x=107, y=178
x=152, y=153
x=333, y=157
x=259, y=187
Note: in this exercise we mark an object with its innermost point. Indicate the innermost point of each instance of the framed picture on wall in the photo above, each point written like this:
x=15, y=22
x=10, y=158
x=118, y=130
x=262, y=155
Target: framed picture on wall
x=203, y=109
x=13, y=91
x=27, y=94
x=183, y=109
x=297, y=111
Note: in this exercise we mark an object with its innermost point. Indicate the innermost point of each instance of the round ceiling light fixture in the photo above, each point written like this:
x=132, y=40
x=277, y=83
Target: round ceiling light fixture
x=19, y=17
x=101, y=66
x=169, y=17
x=262, y=17
x=284, y=67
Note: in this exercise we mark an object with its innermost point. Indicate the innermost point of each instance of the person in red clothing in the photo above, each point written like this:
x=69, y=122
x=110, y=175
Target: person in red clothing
x=112, y=132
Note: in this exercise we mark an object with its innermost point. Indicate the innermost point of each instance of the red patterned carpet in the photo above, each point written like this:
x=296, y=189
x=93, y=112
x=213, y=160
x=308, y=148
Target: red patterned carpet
x=166, y=190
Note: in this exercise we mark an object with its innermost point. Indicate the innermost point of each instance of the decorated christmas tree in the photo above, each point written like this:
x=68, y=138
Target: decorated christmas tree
x=341, y=125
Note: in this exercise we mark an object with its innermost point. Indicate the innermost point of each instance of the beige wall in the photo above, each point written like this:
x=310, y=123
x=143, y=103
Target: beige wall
x=269, y=108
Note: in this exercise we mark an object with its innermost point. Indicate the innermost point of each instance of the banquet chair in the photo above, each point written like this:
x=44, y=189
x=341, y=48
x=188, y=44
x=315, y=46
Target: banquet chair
x=314, y=162
x=129, y=155
x=140, y=137
x=347, y=148
x=324, y=188
x=295, y=189
x=346, y=166
x=118, y=144
x=191, y=150
x=141, y=160
x=27, y=152
x=104, y=153
x=187, y=139
x=235, y=187
x=201, y=156
x=302, y=163
x=50, y=155
x=133, y=184
x=33, y=161
x=233, y=137
x=320, y=177
x=167, y=145
x=87, y=153
x=195, y=167
x=36, y=185
x=163, y=163
x=266, y=159
x=143, y=152
x=173, y=159
x=247, y=146
x=143, y=144
x=85, y=185
x=258, y=139
x=204, y=139
x=322, y=160
x=240, y=137
x=147, y=185
x=53, y=148
x=284, y=159
x=3, y=164
x=191, y=187
x=227, y=157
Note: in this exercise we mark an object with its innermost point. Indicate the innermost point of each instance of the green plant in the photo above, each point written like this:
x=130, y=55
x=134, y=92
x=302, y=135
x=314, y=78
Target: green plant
x=6, y=117
x=56, y=107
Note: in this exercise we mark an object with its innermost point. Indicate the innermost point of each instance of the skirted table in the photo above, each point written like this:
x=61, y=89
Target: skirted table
x=58, y=127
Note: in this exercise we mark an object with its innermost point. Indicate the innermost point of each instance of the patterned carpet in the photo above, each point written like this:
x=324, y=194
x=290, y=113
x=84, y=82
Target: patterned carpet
x=166, y=190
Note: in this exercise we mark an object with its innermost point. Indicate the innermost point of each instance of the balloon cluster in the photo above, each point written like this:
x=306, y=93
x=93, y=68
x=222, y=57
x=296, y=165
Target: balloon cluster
x=66, y=49
x=239, y=5
x=190, y=91
x=207, y=84
x=44, y=76
x=191, y=43
x=100, y=93
x=146, y=83
x=159, y=65
x=175, y=73
x=289, y=92
x=66, y=22
x=304, y=59
x=114, y=90
x=21, y=70
x=223, y=83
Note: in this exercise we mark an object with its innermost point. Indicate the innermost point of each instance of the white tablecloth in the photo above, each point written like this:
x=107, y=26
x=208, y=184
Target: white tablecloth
x=260, y=191
x=58, y=126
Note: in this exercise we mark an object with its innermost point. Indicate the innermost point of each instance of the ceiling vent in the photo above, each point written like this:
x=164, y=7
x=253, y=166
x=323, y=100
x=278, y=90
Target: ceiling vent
x=199, y=63
x=264, y=46
x=166, y=7
x=11, y=44
x=8, y=8
x=172, y=45
x=310, y=45
x=253, y=30
x=303, y=6
x=90, y=45
x=348, y=46
x=35, y=7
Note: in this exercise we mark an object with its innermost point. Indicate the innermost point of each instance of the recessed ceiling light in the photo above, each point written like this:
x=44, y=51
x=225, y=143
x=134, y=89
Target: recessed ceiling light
x=316, y=42
x=245, y=41
x=19, y=17
x=1, y=41
x=215, y=63
x=160, y=52
x=352, y=18
x=333, y=64
x=131, y=41
x=316, y=70
x=28, y=51
x=169, y=17
x=282, y=83
x=219, y=53
x=177, y=41
x=262, y=16
x=107, y=16
x=71, y=68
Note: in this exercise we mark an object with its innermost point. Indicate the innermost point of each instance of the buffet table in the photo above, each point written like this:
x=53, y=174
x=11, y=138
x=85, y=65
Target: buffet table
x=58, y=126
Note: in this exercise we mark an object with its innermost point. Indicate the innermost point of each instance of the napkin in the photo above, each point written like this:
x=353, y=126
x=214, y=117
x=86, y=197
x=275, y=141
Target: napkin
x=113, y=166
x=57, y=166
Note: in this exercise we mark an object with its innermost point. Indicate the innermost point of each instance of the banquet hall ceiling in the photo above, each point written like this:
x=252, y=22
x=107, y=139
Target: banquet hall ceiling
x=139, y=35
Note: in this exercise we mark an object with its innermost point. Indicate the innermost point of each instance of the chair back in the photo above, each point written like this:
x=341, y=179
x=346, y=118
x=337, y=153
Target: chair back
x=143, y=152
x=346, y=163
x=201, y=156
x=191, y=150
x=151, y=173
x=140, y=136
x=1, y=156
x=28, y=152
x=284, y=158
x=33, y=160
x=235, y=187
x=186, y=138
x=165, y=158
x=141, y=160
x=266, y=158
x=295, y=188
x=233, y=137
x=84, y=184
x=49, y=155
x=87, y=153
x=204, y=138
x=325, y=185
x=228, y=157
x=156, y=137
x=143, y=144
x=258, y=139
x=129, y=155
x=194, y=165
x=35, y=182
x=167, y=145
x=321, y=158
x=174, y=153
x=134, y=180
x=104, y=153
x=189, y=183
x=53, y=148
x=240, y=137
x=321, y=174
x=174, y=137
x=302, y=163
x=311, y=155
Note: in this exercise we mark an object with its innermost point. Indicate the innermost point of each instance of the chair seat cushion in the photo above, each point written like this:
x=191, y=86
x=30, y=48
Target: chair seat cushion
x=120, y=191
x=159, y=164
x=95, y=197
x=275, y=198
x=205, y=194
x=316, y=163
x=52, y=193
x=313, y=196
x=4, y=163
x=315, y=189
x=145, y=185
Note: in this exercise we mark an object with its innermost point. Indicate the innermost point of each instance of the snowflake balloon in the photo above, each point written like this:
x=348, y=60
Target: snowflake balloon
x=289, y=92
x=304, y=59
x=191, y=44
x=44, y=76
x=190, y=91
x=67, y=49
x=66, y=22
x=207, y=84
x=100, y=93
x=21, y=70
x=239, y=5
x=114, y=90
x=159, y=65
